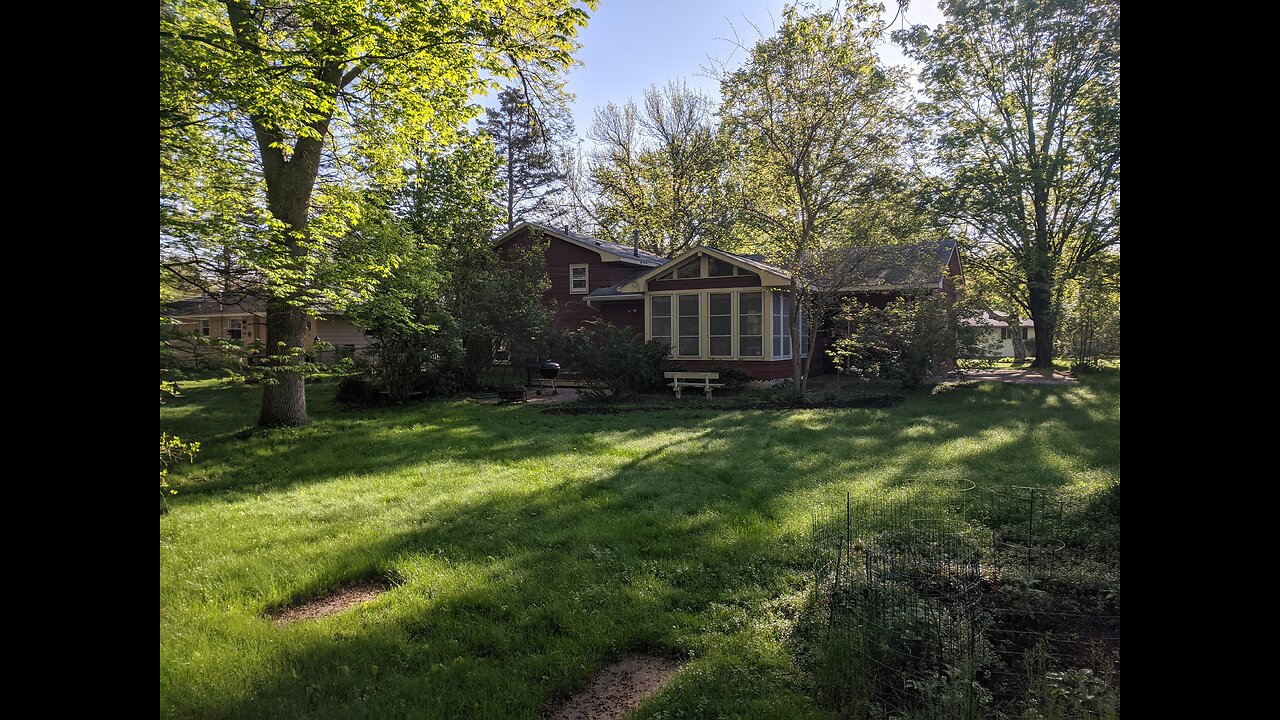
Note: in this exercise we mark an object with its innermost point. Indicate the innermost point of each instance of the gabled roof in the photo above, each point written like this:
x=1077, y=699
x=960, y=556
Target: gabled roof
x=609, y=251
x=769, y=275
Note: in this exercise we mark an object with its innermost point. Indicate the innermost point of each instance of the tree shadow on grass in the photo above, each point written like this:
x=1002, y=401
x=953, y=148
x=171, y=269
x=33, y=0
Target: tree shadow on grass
x=514, y=595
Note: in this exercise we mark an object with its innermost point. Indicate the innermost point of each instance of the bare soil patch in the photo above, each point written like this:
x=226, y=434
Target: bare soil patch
x=616, y=690
x=337, y=601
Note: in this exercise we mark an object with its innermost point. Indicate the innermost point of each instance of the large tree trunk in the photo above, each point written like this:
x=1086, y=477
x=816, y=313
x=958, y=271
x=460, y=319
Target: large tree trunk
x=1043, y=318
x=284, y=401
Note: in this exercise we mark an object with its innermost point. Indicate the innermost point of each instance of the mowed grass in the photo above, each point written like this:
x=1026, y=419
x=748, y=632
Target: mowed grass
x=528, y=550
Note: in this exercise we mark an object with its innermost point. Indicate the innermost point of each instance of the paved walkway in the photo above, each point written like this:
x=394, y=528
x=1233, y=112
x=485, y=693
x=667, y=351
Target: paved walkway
x=563, y=395
x=1034, y=377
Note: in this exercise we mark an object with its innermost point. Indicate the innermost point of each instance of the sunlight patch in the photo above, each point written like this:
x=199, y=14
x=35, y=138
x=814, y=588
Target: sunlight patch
x=617, y=689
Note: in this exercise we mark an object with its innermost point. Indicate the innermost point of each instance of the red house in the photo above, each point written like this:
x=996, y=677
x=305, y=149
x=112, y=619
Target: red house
x=712, y=307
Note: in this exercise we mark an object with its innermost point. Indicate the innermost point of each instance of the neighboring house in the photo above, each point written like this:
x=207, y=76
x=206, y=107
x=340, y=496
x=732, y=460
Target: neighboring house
x=245, y=320
x=712, y=307
x=997, y=338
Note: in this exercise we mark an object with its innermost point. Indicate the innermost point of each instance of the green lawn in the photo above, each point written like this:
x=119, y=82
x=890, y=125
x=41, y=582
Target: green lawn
x=529, y=549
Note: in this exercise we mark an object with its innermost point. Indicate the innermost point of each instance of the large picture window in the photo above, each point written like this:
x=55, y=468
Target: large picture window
x=660, y=318
x=690, y=345
x=750, y=325
x=781, y=327
x=720, y=320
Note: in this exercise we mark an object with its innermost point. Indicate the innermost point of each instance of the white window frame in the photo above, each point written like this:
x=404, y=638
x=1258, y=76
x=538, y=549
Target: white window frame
x=670, y=336
x=737, y=325
x=781, y=316
x=586, y=279
x=231, y=325
x=206, y=328
x=676, y=329
x=733, y=306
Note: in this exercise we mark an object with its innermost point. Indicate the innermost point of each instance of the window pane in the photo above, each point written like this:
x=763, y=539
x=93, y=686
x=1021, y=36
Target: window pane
x=721, y=304
x=750, y=325
x=721, y=325
x=689, y=326
x=721, y=346
x=690, y=269
x=749, y=346
x=749, y=303
x=689, y=346
x=718, y=268
x=662, y=305
x=578, y=272
x=689, y=305
x=662, y=327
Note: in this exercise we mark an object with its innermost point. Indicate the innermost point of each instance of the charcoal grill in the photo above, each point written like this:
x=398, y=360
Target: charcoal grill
x=549, y=370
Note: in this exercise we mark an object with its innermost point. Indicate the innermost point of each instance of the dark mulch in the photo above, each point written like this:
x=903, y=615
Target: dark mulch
x=335, y=602
x=616, y=690
x=870, y=401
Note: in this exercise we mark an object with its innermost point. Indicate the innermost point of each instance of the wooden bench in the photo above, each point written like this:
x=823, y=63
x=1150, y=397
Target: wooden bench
x=693, y=380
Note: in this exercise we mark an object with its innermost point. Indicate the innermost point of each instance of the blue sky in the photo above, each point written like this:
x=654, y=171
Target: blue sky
x=631, y=44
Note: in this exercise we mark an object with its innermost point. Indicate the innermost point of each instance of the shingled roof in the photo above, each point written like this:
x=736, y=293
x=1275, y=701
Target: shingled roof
x=901, y=266
x=617, y=251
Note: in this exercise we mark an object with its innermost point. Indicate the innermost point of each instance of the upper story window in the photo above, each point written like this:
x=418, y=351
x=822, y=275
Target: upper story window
x=577, y=279
x=691, y=269
x=718, y=268
x=235, y=329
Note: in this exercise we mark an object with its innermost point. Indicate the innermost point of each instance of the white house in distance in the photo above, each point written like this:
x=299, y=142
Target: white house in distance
x=997, y=338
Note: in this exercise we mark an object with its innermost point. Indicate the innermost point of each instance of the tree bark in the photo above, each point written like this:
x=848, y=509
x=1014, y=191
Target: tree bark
x=1043, y=318
x=284, y=402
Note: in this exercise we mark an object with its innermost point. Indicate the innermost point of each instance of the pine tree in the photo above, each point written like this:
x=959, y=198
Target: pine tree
x=531, y=182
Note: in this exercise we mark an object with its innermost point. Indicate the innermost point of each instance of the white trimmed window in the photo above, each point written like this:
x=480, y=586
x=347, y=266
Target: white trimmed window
x=750, y=324
x=577, y=279
x=781, y=327
x=691, y=269
x=690, y=344
x=660, y=318
x=720, y=321
x=204, y=328
x=235, y=329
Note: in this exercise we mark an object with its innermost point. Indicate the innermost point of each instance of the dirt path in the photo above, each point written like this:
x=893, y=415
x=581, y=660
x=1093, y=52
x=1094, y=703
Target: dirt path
x=617, y=689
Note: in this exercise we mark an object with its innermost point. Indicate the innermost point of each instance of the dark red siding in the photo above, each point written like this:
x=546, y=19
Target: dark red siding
x=954, y=273
x=758, y=369
x=624, y=313
x=572, y=309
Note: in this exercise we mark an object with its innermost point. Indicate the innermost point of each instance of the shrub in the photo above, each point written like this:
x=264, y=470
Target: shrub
x=910, y=339
x=732, y=377
x=358, y=390
x=614, y=362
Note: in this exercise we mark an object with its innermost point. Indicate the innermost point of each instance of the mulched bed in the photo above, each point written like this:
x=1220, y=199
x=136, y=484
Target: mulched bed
x=870, y=401
x=616, y=690
x=338, y=601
